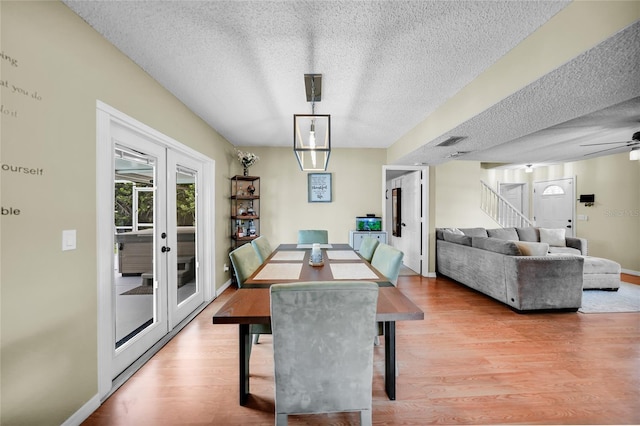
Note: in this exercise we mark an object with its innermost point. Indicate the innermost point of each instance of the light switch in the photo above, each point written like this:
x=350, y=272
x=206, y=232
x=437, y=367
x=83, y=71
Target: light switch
x=583, y=217
x=68, y=239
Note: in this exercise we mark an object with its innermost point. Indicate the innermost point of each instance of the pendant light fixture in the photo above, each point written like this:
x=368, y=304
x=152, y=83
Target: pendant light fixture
x=312, y=132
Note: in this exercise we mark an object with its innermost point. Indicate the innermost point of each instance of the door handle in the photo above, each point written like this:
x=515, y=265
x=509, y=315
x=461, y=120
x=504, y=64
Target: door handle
x=568, y=226
x=165, y=249
x=404, y=224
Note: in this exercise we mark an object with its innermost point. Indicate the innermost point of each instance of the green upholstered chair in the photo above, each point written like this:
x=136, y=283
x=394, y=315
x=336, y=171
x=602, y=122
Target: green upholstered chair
x=387, y=260
x=310, y=236
x=323, y=356
x=262, y=247
x=368, y=247
x=245, y=261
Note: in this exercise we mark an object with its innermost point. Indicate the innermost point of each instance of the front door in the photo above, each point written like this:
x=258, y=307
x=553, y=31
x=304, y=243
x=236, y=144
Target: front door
x=554, y=204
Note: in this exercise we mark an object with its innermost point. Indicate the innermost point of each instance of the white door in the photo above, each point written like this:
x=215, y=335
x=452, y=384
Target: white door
x=513, y=193
x=553, y=204
x=411, y=220
x=186, y=242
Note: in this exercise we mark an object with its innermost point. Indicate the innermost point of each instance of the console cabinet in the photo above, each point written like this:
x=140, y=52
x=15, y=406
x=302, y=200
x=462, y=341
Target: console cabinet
x=356, y=237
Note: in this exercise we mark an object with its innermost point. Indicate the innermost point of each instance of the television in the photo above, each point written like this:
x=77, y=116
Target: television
x=368, y=223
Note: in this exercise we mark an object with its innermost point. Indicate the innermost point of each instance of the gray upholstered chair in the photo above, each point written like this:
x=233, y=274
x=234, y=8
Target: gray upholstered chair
x=310, y=236
x=323, y=357
x=387, y=260
x=368, y=247
x=262, y=247
x=245, y=261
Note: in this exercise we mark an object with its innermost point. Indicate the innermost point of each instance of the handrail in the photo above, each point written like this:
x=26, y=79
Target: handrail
x=501, y=210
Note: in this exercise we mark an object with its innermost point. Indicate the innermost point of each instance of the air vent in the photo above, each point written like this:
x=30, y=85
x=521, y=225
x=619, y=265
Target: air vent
x=452, y=141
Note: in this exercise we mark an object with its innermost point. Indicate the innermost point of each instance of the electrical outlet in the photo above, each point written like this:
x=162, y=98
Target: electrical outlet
x=226, y=268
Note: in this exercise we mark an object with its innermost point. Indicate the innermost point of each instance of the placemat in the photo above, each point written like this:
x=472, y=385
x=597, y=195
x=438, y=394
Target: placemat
x=342, y=255
x=288, y=255
x=352, y=271
x=280, y=271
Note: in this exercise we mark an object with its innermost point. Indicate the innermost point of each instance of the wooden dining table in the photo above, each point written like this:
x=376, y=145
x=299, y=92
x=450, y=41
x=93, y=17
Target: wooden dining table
x=251, y=304
x=290, y=263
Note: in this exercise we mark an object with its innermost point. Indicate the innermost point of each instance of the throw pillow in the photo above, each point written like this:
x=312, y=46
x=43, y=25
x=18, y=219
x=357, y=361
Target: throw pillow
x=453, y=231
x=532, y=249
x=456, y=238
x=509, y=234
x=553, y=237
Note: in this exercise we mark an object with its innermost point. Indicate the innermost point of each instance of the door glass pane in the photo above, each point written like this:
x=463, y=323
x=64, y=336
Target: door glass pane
x=134, y=293
x=186, y=233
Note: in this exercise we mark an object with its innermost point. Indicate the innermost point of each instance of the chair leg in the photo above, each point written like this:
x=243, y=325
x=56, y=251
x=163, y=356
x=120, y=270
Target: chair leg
x=255, y=339
x=365, y=418
x=376, y=341
x=281, y=419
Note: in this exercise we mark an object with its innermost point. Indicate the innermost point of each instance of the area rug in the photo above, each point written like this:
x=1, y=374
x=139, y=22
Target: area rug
x=626, y=299
x=143, y=289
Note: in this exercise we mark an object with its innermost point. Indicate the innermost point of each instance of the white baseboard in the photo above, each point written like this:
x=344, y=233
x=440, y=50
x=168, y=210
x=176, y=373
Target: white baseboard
x=84, y=412
x=223, y=288
x=430, y=275
x=630, y=272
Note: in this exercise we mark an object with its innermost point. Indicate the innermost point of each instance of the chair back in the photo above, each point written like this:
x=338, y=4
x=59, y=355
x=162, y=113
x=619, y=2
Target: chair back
x=262, y=247
x=310, y=236
x=322, y=347
x=368, y=247
x=388, y=261
x=245, y=261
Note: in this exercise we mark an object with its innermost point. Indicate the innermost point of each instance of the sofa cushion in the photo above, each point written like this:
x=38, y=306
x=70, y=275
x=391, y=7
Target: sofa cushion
x=528, y=233
x=553, y=237
x=564, y=250
x=496, y=245
x=503, y=233
x=528, y=248
x=475, y=232
x=458, y=239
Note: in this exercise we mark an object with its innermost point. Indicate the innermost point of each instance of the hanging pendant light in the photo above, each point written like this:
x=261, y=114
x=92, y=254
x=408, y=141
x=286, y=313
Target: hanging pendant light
x=312, y=132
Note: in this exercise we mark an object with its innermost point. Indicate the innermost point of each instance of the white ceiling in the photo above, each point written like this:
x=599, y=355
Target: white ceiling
x=386, y=66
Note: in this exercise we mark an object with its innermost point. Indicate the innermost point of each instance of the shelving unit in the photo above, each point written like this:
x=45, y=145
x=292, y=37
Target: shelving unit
x=245, y=209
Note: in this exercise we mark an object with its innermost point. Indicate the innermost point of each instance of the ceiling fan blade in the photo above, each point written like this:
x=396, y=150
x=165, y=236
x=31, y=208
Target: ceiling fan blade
x=604, y=143
x=602, y=150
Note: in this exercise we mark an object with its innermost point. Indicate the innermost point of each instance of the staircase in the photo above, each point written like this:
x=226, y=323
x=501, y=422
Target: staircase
x=500, y=210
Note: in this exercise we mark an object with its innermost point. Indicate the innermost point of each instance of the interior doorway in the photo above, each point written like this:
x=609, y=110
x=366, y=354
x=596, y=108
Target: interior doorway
x=413, y=240
x=517, y=195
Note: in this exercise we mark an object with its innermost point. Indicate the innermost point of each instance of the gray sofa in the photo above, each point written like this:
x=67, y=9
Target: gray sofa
x=511, y=265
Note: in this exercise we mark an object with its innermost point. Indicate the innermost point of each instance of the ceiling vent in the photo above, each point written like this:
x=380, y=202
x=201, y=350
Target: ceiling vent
x=452, y=141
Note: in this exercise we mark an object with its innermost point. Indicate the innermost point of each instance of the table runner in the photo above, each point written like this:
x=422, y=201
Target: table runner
x=280, y=271
x=308, y=246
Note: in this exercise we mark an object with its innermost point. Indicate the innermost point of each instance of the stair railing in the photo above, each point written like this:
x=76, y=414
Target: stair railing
x=501, y=210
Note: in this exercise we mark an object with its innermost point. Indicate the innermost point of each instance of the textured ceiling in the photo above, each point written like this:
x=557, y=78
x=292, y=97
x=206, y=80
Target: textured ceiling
x=386, y=66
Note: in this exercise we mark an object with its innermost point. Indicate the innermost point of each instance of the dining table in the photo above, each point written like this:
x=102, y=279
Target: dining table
x=251, y=304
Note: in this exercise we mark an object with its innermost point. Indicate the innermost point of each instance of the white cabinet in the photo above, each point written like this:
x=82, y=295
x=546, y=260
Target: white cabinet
x=355, y=237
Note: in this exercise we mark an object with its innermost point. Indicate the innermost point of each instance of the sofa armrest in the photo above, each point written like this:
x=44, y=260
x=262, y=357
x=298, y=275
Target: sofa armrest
x=577, y=243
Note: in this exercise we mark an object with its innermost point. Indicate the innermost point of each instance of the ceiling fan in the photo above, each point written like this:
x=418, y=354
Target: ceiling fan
x=635, y=141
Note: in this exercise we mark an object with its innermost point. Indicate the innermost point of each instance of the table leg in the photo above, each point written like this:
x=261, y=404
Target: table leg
x=390, y=359
x=245, y=353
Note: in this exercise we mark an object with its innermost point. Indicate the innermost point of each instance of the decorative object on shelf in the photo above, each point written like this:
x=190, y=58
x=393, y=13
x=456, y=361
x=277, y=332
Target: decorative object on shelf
x=251, y=189
x=312, y=132
x=247, y=159
x=319, y=187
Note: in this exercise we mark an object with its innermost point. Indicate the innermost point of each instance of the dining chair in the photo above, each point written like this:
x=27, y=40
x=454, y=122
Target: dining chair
x=245, y=260
x=310, y=236
x=368, y=247
x=262, y=247
x=323, y=357
x=387, y=260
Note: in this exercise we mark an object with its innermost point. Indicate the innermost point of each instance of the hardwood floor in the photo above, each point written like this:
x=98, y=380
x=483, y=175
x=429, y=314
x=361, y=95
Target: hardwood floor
x=471, y=361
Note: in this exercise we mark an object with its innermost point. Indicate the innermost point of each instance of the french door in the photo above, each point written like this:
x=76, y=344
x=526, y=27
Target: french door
x=156, y=277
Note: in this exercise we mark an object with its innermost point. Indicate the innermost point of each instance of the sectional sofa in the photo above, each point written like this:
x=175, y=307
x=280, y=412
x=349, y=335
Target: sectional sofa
x=524, y=268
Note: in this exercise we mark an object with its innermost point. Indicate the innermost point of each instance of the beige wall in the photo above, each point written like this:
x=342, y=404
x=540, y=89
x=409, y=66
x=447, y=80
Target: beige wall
x=356, y=178
x=49, y=297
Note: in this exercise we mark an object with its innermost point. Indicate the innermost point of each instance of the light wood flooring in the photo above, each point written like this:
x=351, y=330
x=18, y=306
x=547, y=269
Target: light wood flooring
x=471, y=361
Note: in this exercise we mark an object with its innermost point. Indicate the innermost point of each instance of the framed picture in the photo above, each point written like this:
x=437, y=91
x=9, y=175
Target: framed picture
x=319, y=187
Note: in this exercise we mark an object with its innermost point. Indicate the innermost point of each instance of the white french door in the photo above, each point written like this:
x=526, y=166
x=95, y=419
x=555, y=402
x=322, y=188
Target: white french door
x=155, y=204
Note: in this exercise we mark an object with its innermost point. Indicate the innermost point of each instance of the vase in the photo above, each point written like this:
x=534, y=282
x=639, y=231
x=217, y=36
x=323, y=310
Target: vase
x=246, y=171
